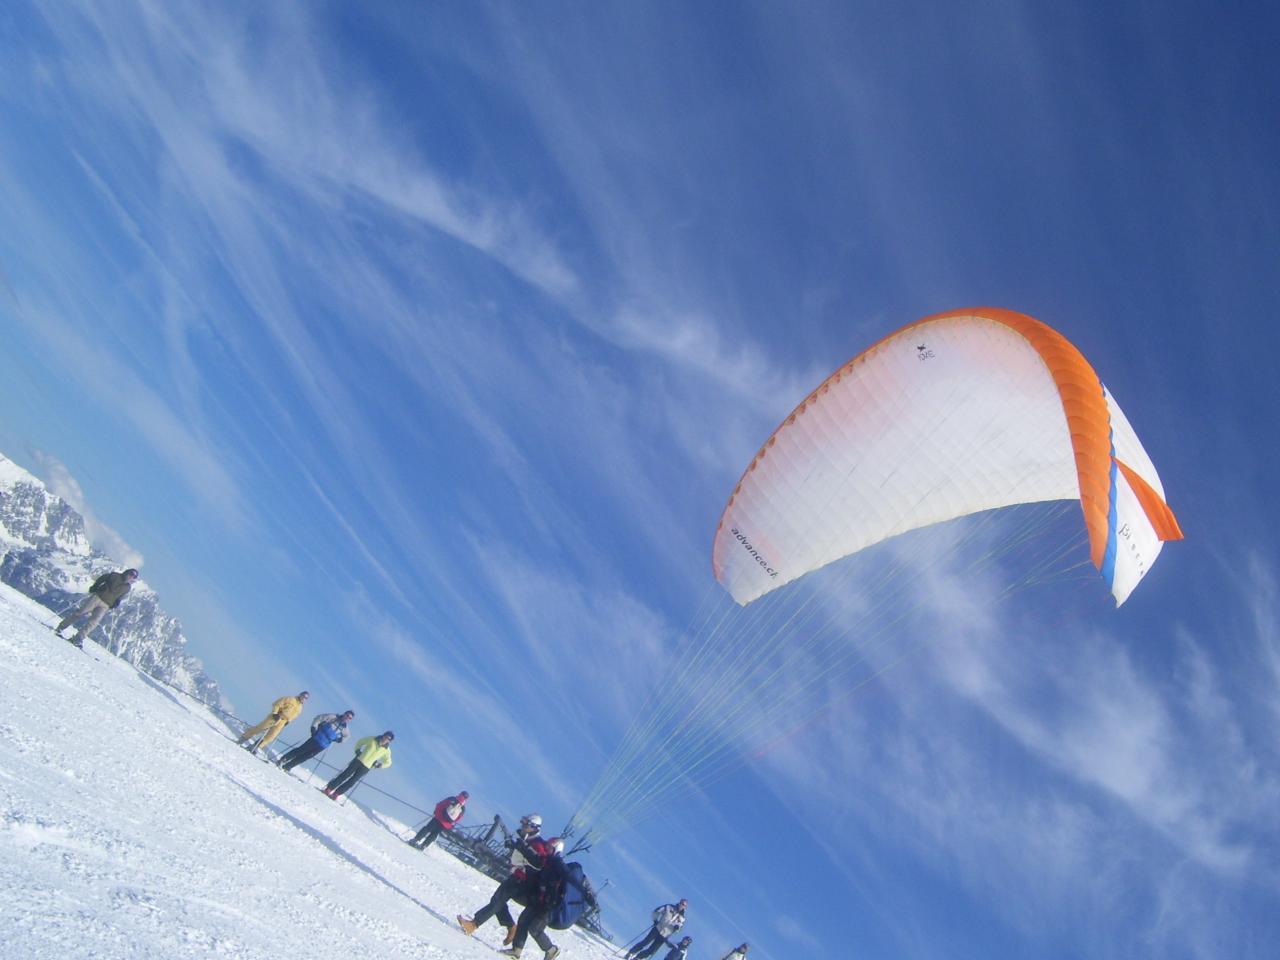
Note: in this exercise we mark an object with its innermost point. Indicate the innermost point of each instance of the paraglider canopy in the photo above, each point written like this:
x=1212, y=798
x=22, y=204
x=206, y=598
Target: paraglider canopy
x=952, y=415
x=982, y=445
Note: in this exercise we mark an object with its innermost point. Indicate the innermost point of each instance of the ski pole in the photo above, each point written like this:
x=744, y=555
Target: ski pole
x=631, y=943
x=312, y=771
x=347, y=796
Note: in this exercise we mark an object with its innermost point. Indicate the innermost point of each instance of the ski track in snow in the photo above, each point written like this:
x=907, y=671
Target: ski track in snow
x=133, y=827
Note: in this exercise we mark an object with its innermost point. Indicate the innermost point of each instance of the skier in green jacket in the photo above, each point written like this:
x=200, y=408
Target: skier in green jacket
x=371, y=752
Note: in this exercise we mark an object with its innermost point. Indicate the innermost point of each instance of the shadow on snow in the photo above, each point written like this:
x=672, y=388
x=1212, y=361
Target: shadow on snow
x=338, y=849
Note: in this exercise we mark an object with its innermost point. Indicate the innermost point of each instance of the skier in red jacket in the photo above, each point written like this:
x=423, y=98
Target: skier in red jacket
x=448, y=812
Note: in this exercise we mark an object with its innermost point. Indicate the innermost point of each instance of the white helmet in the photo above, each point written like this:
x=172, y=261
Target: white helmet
x=531, y=820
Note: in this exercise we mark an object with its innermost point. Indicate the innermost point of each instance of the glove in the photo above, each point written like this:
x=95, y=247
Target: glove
x=377, y=763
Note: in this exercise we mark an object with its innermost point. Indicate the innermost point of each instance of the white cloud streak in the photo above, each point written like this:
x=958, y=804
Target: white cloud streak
x=61, y=483
x=1105, y=777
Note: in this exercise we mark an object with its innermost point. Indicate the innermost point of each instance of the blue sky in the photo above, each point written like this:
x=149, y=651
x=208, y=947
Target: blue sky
x=415, y=349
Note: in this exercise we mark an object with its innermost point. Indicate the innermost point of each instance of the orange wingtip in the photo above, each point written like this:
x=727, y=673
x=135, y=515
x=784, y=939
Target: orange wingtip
x=1158, y=513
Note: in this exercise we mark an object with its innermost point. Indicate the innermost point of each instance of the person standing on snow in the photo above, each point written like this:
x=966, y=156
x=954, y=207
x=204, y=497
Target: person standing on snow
x=326, y=730
x=554, y=881
x=105, y=594
x=667, y=919
x=283, y=712
x=737, y=953
x=448, y=812
x=528, y=853
x=544, y=897
x=371, y=753
x=680, y=950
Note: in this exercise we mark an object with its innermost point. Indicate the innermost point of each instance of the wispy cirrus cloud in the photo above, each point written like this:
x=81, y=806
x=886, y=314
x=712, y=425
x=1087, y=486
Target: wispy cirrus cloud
x=300, y=129
x=1111, y=775
x=300, y=126
x=122, y=396
x=795, y=931
x=1262, y=601
x=59, y=480
x=1117, y=730
x=440, y=680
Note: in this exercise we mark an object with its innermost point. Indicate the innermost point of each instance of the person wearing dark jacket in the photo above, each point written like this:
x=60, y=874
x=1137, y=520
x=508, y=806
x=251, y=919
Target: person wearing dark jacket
x=105, y=594
x=667, y=920
x=326, y=730
x=447, y=813
x=528, y=853
x=680, y=951
x=543, y=897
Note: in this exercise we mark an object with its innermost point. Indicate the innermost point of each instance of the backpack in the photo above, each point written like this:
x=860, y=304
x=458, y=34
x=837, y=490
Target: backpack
x=572, y=903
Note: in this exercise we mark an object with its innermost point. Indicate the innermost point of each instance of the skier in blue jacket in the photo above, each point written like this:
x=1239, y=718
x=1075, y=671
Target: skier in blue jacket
x=325, y=731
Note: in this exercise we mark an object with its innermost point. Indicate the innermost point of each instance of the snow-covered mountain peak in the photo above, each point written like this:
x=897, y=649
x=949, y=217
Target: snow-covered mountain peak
x=37, y=518
x=46, y=554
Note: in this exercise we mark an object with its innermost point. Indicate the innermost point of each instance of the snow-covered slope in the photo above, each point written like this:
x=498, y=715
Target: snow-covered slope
x=133, y=827
x=45, y=553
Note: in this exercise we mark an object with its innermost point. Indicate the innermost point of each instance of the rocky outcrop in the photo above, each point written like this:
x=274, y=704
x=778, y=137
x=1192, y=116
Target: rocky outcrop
x=45, y=554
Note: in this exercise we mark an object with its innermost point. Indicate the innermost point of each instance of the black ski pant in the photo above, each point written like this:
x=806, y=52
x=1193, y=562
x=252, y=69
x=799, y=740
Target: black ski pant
x=427, y=835
x=513, y=888
x=348, y=778
x=648, y=946
x=533, y=923
x=300, y=754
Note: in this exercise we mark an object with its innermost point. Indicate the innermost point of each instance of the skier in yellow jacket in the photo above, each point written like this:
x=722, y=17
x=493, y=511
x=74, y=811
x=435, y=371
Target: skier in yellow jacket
x=371, y=752
x=283, y=711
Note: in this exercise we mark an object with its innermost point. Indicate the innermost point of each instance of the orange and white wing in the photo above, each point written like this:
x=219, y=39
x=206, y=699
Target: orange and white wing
x=954, y=414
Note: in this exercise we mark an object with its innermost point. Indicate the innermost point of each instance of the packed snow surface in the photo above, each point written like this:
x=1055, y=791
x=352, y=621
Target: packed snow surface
x=134, y=827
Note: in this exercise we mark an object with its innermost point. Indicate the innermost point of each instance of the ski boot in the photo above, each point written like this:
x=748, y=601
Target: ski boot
x=467, y=924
